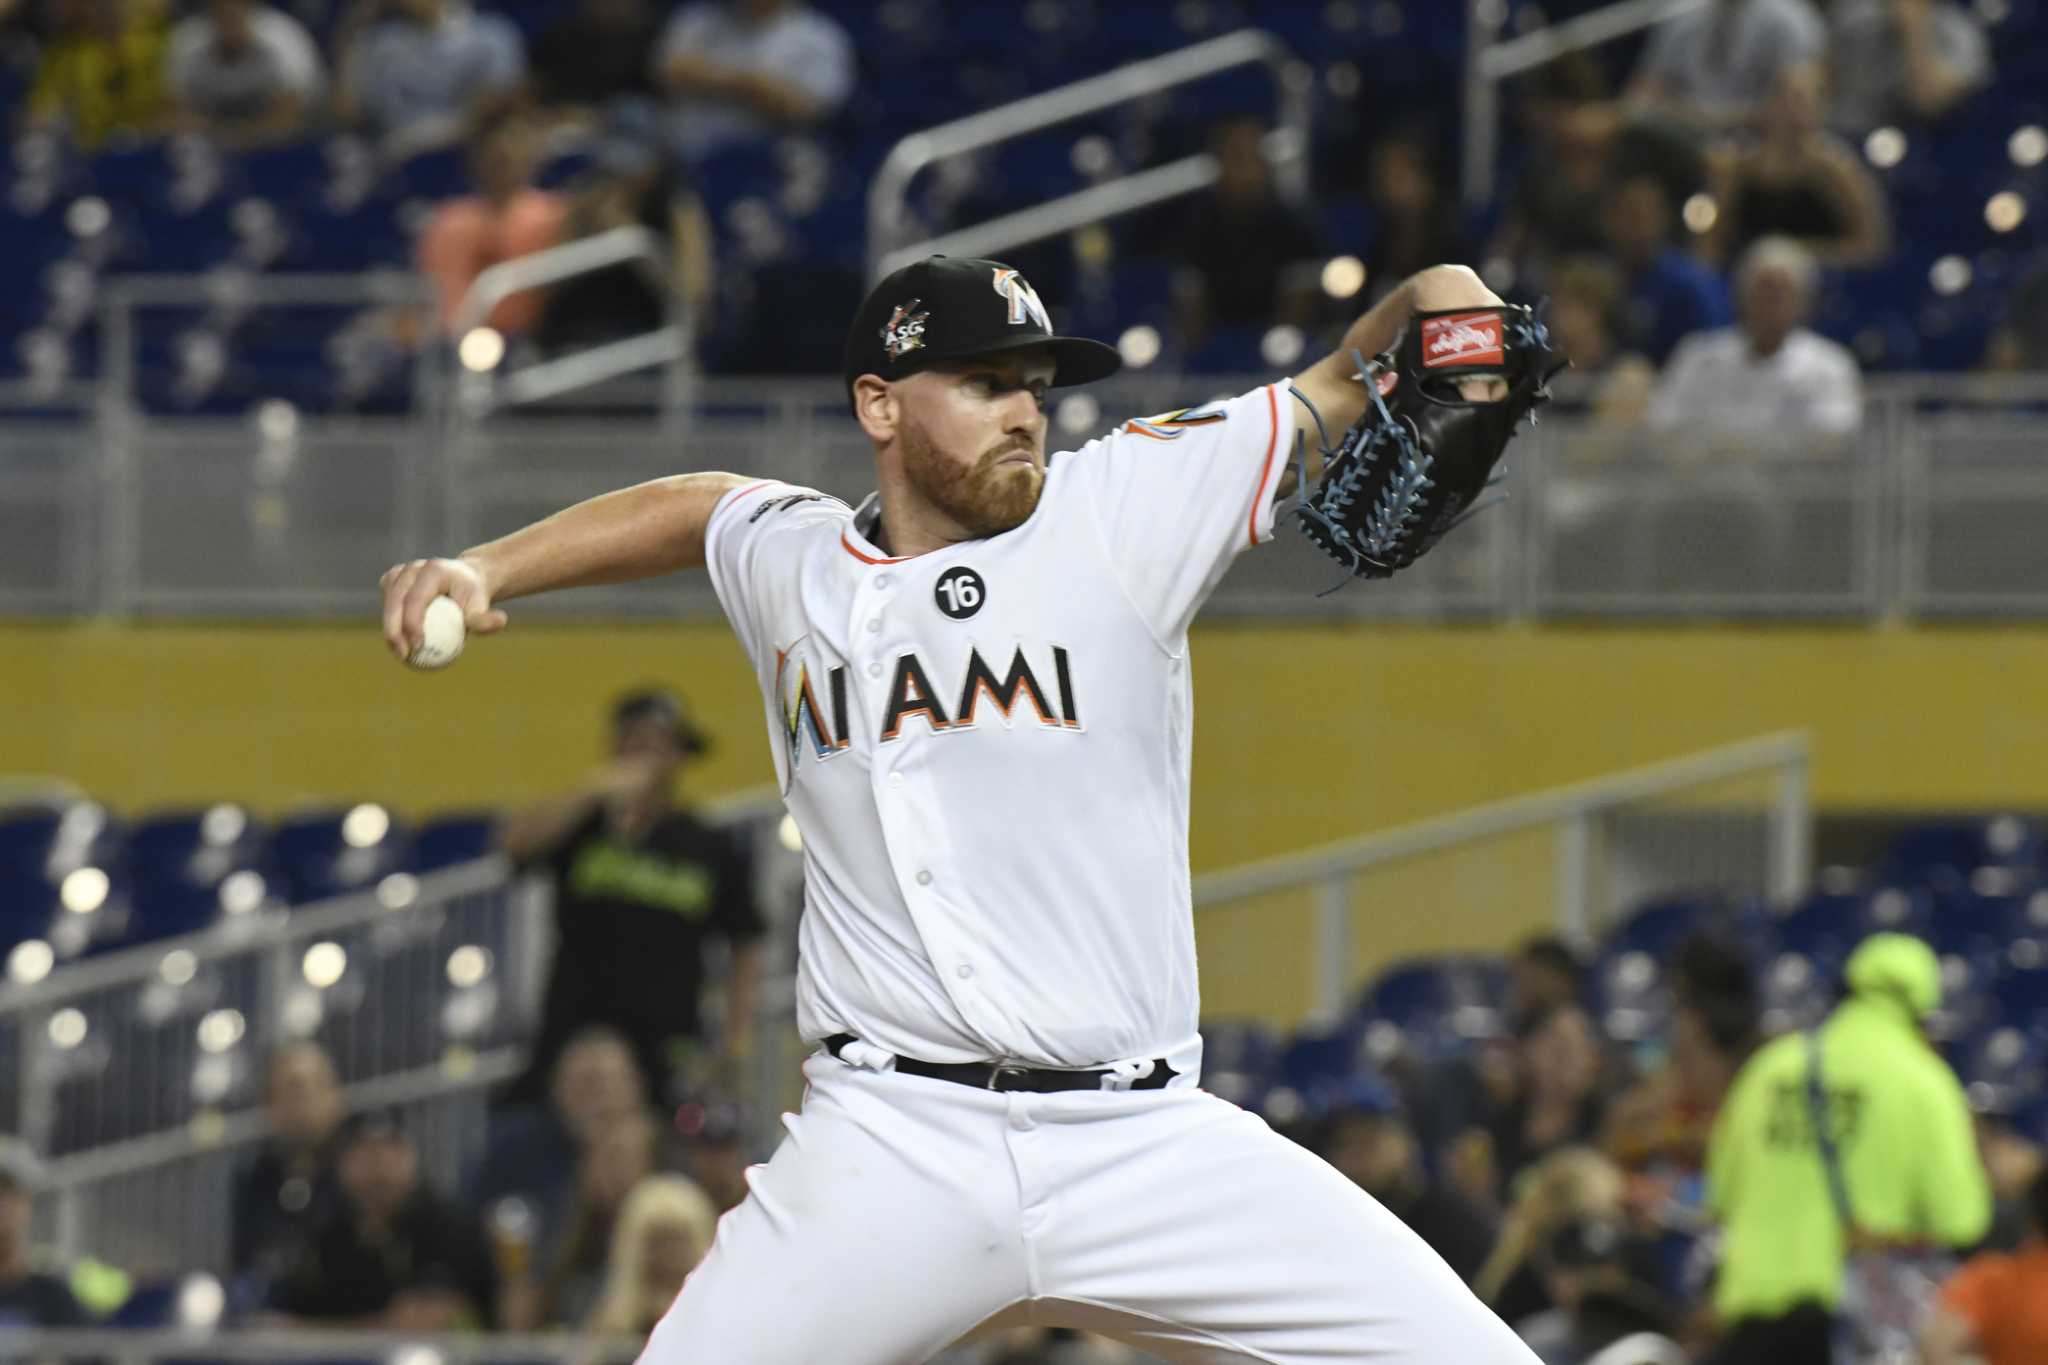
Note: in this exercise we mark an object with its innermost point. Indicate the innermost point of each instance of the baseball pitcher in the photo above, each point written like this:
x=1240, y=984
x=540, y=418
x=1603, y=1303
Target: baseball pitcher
x=977, y=693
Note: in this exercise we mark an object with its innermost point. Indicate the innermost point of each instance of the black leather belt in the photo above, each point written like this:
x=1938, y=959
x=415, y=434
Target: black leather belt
x=1008, y=1076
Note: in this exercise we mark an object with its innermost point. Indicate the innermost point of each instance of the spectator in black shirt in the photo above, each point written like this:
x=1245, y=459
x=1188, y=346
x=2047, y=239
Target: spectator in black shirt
x=601, y=51
x=642, y=889
x=1557, y=1100
x=633, y=184
x=28, y=1297
x=1240, y=239
x=1585, y=1265
x=393, y=1254
x=1367, y=1137
x=290, y=1188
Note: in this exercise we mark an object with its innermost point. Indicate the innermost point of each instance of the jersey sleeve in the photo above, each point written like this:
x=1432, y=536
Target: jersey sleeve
x=1180, y=495
x=752, y=547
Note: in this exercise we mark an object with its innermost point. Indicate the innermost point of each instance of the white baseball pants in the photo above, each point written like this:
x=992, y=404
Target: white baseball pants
x=901, y=1213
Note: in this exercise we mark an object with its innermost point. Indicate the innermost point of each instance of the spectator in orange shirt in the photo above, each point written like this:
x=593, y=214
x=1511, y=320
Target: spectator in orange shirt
x=1996, y=1307
x=506, y=218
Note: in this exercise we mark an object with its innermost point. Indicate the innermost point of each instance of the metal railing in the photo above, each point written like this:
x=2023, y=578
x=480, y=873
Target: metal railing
x=1490, y=60
x=1932, y=512
x=481, y=388
x=136, y=1075
x=1737, y=818
x=888, y=196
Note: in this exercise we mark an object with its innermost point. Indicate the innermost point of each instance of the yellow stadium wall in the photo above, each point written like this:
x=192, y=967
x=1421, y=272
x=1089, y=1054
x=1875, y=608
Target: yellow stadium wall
x=1303, y=733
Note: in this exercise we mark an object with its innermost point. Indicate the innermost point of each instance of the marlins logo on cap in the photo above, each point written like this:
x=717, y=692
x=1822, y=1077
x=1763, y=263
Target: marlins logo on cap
x=1024, y=301
x=954, y=307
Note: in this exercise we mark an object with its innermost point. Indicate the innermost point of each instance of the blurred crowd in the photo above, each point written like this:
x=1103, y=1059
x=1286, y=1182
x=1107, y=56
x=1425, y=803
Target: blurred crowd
x=636, y=97
x=1673, y=1150
x=1683, y=216
x=1705, y=1194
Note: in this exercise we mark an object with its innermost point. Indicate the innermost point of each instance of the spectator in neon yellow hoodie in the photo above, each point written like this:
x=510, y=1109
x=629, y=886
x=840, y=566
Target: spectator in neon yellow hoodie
x=1903, y=1137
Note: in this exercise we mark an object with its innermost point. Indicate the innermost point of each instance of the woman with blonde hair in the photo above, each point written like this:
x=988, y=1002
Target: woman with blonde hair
x=1568, y=1184
x=663, y=1230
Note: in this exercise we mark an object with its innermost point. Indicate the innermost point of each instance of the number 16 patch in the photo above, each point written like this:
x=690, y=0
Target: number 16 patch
x=959, y=592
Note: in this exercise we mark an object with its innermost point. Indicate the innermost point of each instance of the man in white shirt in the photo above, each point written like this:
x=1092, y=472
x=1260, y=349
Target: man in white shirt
x=244, y=74
x=424, y=73
x=1715, y=66
x=1902, y=61
x=977, y=694
x=1768, y=377
x=737, y=70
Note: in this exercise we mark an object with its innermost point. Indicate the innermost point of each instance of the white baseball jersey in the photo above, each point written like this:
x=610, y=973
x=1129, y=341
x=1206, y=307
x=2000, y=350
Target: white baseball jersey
x=987, y=747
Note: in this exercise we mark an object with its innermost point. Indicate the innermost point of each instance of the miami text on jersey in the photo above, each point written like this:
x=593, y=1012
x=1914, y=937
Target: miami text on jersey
x=818, y=724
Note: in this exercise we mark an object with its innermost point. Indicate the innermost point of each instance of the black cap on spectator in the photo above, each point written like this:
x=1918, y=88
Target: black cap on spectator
x=953, y=307
x=665, y=706
x=1584, y=1243
x=383, y=1123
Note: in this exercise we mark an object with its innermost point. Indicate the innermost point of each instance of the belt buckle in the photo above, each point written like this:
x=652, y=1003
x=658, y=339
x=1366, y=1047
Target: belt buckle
x=997, y=1070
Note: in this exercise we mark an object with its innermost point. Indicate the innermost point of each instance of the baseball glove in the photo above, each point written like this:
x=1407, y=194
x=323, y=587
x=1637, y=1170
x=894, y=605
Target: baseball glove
x=1416, y=463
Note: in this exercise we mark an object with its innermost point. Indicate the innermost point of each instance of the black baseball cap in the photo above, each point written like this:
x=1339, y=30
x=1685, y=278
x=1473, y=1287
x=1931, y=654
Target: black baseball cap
x=381, y=1123
x=661, y=704
x=951, y=307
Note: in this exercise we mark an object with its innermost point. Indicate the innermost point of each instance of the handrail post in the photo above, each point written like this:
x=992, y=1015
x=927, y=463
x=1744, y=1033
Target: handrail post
x=889, y=189
x=1483, y=19
x=1333, y=944
x=69, y=1223
x=115, y=456
x=1791, y=837
x=1574, y=873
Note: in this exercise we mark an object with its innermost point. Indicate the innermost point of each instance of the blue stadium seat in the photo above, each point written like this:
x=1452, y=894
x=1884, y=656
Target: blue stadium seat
x=1228, y=350
x=455, y=838
x=1440, y=1005
x=1660, y=926
x=1240, y=1045
x=1828, y=925
x=1631, y=1002
x=2031, y=1120
x=440, y=173
x=2022, y=997
x=2003, y=1069
x=1794, y=992
x=1967, y=1004
x=333, y=852
x=180, y=860
x=1947, y=852
x=40, y=844
x=1315, y=1057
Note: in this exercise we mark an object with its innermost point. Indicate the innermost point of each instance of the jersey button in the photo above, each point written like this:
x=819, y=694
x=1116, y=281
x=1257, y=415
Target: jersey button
x=924, y=876
x=895, y=779
x=875, y=669
x=881, y=580
x=963, y=971
x=874, y=624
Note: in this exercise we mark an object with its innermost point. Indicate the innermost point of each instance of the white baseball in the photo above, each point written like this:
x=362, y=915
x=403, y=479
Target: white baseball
x=441, y=635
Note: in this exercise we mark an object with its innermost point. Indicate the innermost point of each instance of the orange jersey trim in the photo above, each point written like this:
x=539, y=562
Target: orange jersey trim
x=866, y=559
x=1265, y=470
